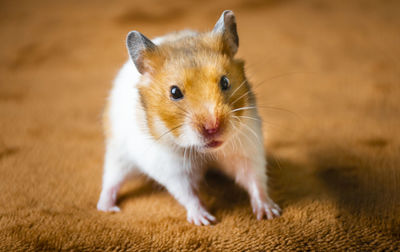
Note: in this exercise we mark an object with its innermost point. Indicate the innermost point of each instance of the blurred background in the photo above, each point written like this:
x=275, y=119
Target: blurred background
x=326, y=74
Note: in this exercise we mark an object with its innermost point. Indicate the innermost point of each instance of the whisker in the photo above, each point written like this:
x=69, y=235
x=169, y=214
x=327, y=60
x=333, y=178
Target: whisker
x=280, y=76
x=249, y=117
x=278, y=127
x=280, y=109
x=169, y=131
x=276, y=161
x=184, y=158
x=240, y=97
x=243, y=108
x=241, y=84
x=252, y=131
x=240, y=142
x=190, y=156
x=245, y=135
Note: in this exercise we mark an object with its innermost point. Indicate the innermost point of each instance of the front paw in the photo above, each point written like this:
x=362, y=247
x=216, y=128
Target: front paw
x=107, y=207
x=199, y=216
x=265, y=208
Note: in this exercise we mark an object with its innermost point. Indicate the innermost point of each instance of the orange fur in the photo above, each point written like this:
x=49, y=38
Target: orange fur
x=195, y=64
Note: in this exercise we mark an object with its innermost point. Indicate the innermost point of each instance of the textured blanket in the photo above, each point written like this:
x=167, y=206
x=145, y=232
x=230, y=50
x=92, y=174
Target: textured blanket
x=326, y=74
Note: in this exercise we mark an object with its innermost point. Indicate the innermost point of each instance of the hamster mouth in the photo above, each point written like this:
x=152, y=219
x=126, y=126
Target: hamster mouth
x=214, y=144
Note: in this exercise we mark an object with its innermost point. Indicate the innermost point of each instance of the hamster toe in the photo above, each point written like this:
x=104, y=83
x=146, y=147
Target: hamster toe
x=200, y=217
x=267, y=209
x=107, y=207
x=114, y=209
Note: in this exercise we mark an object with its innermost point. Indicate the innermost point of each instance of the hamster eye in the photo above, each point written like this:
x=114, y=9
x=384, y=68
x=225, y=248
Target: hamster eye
x=176, y=93
x=224, y=83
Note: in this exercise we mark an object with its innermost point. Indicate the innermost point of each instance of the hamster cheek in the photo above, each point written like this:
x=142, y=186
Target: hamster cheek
x=188, y=136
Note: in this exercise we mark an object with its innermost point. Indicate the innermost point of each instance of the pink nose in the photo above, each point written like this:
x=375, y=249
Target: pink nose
x=211, y=129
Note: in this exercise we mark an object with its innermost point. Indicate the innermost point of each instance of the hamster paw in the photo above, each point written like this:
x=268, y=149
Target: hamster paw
x=266, y=208
x=200, y=217
x=107, y=207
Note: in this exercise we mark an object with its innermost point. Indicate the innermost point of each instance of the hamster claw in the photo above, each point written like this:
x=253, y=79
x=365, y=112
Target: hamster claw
x=200, y=217
x=268, y=209
x=107, y=207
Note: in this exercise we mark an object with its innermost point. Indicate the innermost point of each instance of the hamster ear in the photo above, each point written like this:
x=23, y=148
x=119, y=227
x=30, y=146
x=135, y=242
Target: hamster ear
x=226, y=26
x=138, y=45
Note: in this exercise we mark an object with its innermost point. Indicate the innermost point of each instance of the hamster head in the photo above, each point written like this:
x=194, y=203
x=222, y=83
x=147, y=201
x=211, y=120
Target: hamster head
x=192, y=89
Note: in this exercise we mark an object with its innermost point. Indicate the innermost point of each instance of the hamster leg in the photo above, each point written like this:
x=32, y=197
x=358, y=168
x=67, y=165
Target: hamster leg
x=198, y=215
x=115, y=172
x=262, y=204
x=251, y=175
x=183, y=187
x=188, y=197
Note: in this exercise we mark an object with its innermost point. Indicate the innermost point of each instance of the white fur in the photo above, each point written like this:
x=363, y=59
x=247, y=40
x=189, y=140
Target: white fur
x=130, y=149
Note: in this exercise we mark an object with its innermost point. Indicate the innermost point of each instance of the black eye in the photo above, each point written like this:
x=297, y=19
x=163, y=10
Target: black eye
x=176, y=93
x=224, y=83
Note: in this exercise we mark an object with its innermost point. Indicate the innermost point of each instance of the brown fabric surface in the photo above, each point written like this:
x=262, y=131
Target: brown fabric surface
x=331, y=67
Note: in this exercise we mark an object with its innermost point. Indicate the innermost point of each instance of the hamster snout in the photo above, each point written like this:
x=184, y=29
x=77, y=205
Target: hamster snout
x=211, y=132
x=211, y=127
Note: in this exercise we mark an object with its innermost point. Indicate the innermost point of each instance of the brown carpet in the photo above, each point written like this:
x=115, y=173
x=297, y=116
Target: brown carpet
x=326, y=74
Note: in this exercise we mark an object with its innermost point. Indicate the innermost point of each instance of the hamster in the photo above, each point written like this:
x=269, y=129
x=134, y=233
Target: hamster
x=180, y=102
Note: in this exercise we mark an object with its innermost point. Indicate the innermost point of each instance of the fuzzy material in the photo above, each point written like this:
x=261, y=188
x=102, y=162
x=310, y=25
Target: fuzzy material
x=326, y=77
